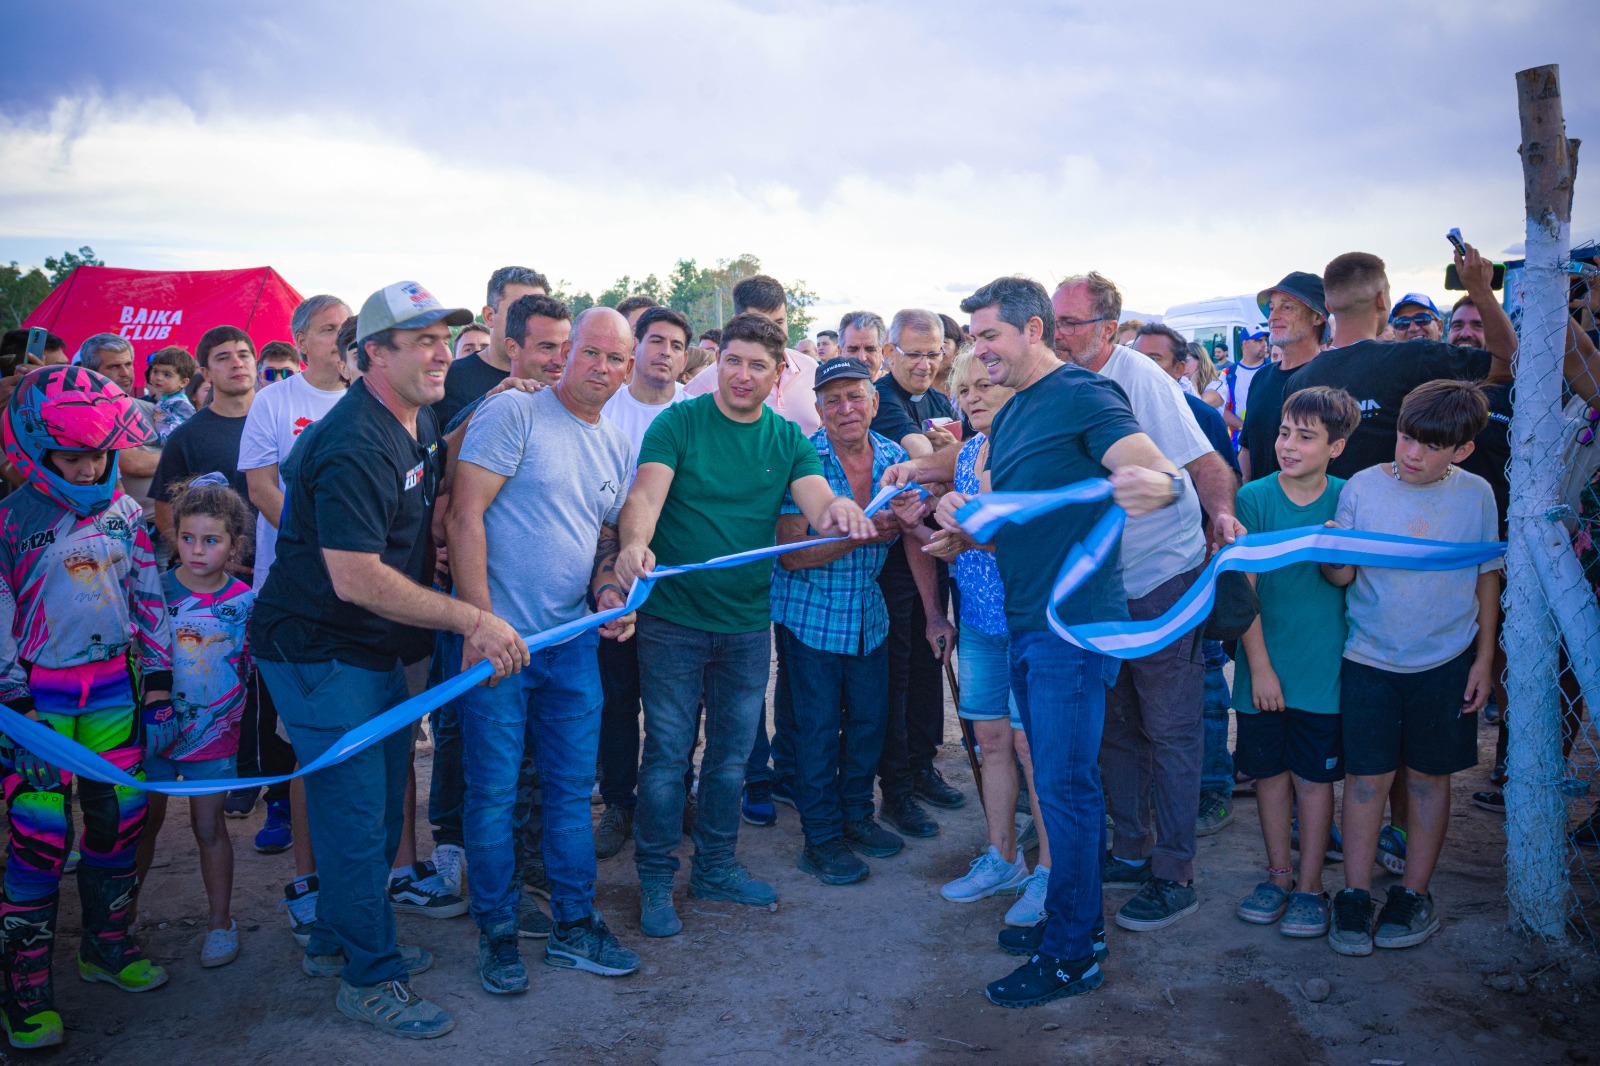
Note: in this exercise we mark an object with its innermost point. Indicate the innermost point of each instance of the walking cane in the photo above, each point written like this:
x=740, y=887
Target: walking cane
x=969, y=740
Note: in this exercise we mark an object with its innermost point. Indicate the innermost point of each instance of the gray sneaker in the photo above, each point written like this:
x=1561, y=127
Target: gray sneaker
x=500, y=965
x=1119, y=874
x=1216, y=811
x=656, y=916
x=589, y=947
x=612, y=832
x=732, y=883
x=1408, y=918
x=1351, y=930
x=532, y=922
x=417, y=959
x=393, y=1008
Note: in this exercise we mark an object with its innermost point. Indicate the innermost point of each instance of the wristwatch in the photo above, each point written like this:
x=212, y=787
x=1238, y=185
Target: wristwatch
x=1177, y=488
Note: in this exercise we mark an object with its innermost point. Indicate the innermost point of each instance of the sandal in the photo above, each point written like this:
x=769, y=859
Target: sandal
x=1264, y=906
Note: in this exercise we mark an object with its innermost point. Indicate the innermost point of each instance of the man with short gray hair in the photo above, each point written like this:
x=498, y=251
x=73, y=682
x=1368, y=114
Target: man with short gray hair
x=474, y=375
x=861, y=337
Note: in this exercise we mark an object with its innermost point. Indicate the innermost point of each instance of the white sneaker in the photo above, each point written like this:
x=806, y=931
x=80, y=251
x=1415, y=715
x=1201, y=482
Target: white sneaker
x=300, y=898
x=1028, y=910
x=989, y=874
x=221, y=946
x=450, y=860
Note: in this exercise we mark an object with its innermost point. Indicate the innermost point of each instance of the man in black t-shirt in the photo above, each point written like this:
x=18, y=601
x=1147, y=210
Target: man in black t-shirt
x=345, y=605
x=473, y=375
x=1297, y=317
x=1379, y=374
x=915, y=586
x=1063, y=425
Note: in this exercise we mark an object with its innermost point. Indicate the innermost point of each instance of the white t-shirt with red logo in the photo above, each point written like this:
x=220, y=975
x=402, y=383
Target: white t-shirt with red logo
x=281, y=412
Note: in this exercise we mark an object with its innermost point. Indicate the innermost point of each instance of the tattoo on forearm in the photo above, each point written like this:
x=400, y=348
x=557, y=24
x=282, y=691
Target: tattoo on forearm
x=605, y=554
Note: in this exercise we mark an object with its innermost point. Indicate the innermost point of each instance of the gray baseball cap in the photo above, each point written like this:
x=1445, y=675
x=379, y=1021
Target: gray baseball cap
x=405, y=305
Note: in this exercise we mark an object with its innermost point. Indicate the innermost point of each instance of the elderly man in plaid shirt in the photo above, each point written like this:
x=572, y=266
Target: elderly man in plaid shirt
x=831, y=621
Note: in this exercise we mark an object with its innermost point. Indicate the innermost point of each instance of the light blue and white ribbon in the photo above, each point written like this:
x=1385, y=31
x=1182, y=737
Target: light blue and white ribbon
x=73, y=757
x=1252, y=553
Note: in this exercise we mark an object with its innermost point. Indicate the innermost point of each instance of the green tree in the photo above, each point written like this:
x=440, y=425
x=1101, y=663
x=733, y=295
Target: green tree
x=70, y=261
x=20, y=292
x=698, y=292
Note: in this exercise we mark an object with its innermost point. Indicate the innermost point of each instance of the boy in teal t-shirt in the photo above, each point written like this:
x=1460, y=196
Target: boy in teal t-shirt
x=1286, y=682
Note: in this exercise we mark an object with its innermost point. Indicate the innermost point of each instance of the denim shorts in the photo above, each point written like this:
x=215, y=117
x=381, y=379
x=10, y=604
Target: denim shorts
x=983, y=662
x=161, y=768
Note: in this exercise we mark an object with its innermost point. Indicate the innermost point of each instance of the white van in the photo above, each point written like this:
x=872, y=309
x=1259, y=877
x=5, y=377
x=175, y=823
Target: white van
x=1221, y=318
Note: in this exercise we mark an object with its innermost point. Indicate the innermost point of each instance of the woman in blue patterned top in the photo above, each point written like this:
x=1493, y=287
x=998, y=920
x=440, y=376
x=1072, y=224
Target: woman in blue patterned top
x=984, y=660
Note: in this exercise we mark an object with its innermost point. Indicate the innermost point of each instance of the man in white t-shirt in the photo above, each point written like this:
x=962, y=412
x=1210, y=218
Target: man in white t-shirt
x=794, y=397
x=1154, y=729
x=287, y=408
x=662, y=337
x=1234, y=383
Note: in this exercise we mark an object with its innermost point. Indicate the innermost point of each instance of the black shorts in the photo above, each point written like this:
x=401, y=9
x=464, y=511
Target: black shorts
x=1273, y=742
x=1412, y=720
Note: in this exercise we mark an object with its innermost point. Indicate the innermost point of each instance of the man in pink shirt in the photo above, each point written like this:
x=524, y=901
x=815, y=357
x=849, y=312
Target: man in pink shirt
x=794, y=397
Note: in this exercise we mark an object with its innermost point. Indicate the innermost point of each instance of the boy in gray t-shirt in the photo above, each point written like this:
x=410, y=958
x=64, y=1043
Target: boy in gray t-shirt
x=1418, y=660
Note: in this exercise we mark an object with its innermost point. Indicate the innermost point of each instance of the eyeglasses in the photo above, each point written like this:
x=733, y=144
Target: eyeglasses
x=1077, y=323
x=269, y=374
x=1418, y=320
x=1586, y=434
x=919, y=357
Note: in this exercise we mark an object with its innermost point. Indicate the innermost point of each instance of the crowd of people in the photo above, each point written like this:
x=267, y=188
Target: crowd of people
x=223, y=577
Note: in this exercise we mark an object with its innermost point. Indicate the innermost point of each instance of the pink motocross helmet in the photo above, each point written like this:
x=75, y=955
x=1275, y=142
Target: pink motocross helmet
x=68, y=408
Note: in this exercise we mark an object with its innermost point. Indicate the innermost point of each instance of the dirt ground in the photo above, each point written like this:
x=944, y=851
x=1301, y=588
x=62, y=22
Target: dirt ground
x=884, y=971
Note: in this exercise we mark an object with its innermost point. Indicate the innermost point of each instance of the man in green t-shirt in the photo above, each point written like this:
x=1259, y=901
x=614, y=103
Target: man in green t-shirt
x=711, y=481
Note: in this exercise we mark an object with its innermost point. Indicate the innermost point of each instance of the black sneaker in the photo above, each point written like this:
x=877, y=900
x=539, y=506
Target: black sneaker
x=871, y=839
x=613, y=831
x=1408, y=918
x=1351, y=931
x=833, y=863
x=1042, y=979
x=240, y=802
x=500, y=967
x=907, y=815
x=1491, y=800
x=1118, y=874
x=930, y=786
x=1026, y=942
x=1159, y=903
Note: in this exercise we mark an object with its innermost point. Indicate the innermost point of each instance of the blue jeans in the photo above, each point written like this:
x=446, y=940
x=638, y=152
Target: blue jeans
x=1216, y=766
x=774, y=760
x=552, y=707
x=446, y=788
x=355, y=808
x=676, y=664
x=1061, y=691
x=836, y=754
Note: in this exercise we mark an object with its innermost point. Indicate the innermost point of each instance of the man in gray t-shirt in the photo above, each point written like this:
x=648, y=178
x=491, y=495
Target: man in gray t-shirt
x=533, y=538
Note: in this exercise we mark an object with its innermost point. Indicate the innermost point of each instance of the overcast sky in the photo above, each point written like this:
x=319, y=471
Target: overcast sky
x=889, y=154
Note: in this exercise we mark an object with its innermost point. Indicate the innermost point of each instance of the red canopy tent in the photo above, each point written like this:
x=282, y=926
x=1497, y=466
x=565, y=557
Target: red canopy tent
x=157, y=308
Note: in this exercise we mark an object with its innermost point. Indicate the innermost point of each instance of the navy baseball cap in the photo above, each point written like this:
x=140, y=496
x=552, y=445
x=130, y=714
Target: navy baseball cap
x=841, y=368
x=1413, y=298
x=1307, y=288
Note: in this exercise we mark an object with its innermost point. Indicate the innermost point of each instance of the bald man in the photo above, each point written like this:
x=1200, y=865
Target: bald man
x=533, y=536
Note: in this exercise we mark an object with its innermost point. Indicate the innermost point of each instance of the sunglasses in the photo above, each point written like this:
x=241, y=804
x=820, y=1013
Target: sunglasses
x=1419, y=321
x=269, y=374
x=1586, y=434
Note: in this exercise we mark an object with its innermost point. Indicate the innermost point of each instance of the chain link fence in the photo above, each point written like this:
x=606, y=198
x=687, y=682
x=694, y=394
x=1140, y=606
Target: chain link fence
x=1551, y=635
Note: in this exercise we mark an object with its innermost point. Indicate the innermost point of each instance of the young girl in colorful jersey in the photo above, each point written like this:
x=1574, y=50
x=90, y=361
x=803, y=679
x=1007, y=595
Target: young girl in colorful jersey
x=210, y=613
x=86, y=652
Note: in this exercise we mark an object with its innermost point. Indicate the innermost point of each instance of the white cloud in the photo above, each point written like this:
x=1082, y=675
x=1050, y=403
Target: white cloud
x=888, y=155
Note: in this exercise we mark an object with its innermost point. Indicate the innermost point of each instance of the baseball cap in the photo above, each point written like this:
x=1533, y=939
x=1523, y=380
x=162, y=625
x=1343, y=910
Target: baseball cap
x=841, y=368
x=1413, y=298
x=1253, y=333
x=1307, y=288
x=405, y=305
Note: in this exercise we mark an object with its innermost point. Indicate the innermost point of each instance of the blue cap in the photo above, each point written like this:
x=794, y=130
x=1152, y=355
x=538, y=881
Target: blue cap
x=1413, y=298
x=1253, y=333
